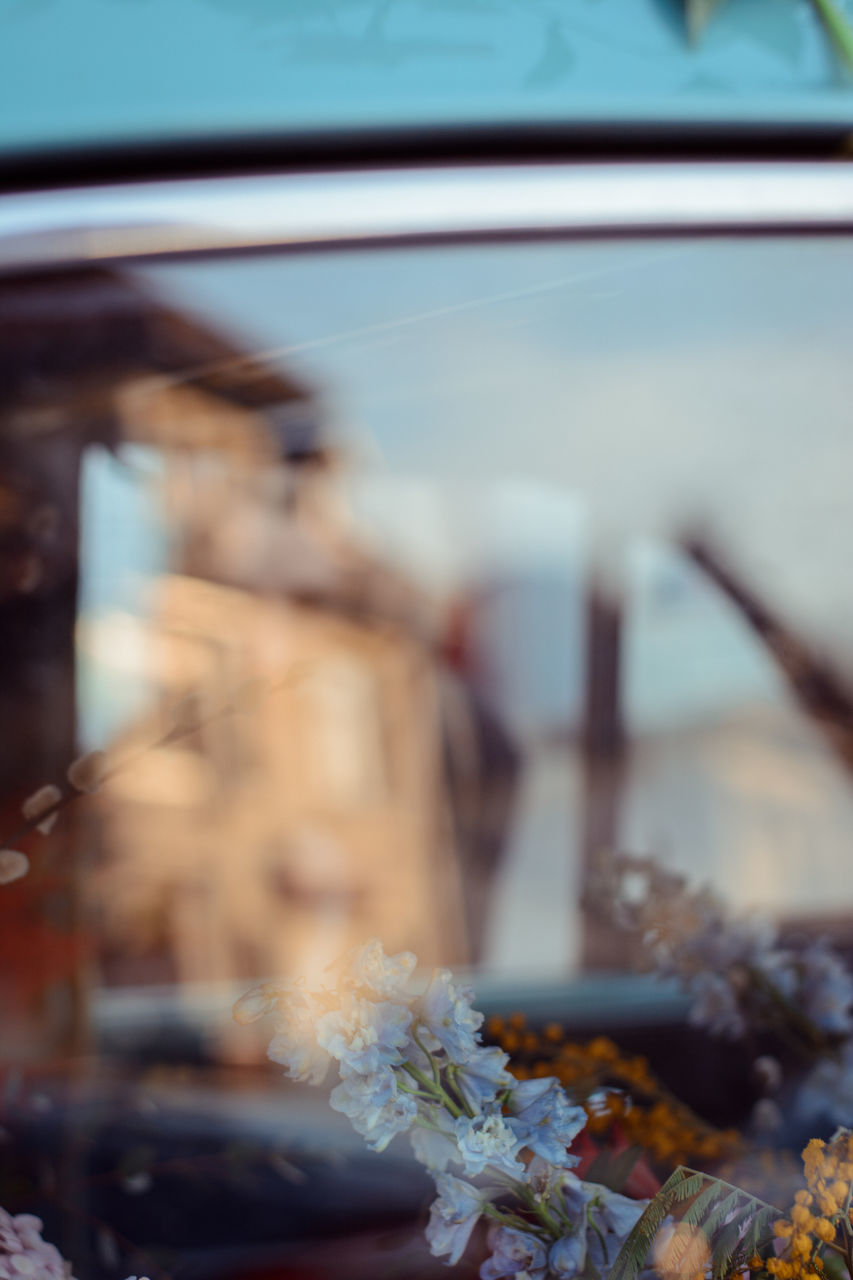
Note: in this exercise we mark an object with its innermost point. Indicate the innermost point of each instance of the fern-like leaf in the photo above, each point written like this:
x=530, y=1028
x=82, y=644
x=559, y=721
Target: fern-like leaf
x=734, y=1223
x=698, y=1210
x=689, y=1187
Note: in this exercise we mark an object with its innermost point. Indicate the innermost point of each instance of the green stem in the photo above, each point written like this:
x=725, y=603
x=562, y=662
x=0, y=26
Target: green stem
x=436, y=1078
x=838, y=27
x=414, y=1093
x=538, y=1207
x=598, y=1232
x=433, y=1090
x=506, y=1218
x=452, y=1072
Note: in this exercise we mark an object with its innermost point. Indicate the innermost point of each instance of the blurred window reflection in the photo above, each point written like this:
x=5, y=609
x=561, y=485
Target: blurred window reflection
x=401, y=588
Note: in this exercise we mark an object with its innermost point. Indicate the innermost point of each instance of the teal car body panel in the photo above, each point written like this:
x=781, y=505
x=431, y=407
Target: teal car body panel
x=77, y=73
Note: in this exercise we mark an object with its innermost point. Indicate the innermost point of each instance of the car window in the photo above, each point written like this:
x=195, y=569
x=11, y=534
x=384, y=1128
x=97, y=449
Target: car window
x=469, y=598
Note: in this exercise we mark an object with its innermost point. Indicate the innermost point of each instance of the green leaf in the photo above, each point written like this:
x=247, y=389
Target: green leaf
x=713, y=1201
x=698, y=1210
x=688, y=1188
x=726, y=1248
x=631, y=1257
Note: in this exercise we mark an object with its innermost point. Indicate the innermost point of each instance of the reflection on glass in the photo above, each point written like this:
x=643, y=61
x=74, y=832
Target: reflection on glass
x=488, y=602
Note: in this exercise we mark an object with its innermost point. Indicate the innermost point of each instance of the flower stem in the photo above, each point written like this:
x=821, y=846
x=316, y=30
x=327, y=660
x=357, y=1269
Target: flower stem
x=507, y=1219
x=433, y=1090
x=541, y=1210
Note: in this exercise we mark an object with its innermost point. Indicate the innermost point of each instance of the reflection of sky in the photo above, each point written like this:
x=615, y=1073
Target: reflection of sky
x=123, y=546
x=653, y=384
x=511, y=412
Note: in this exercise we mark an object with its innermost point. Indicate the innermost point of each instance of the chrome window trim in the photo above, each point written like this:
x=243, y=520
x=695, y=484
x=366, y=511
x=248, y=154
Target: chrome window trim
x=156, y=219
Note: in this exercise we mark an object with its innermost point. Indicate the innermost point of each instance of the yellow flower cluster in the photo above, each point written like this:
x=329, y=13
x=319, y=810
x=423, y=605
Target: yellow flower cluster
x=615, y=1088
x=819, y=1213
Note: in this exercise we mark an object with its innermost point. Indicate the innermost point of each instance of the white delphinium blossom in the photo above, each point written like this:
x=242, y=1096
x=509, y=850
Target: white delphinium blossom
x=24, y=1253
x=715, y=1005
x=368, y=966
x=294, y=1044
x=416, y=1064
x=567, y=1256
x=364, y=1036
x=826, y=988
x=46, y=798
x=544, y=1120
x=13, y=865
x=602, y=1220
x=375, y=1107
x=514, y=1254
x=826, y=1094
x=433, y=1139
x=483, y=1076
x=445, y=1011
x=453, y=1216
x=488, y=1142
x=741, y=978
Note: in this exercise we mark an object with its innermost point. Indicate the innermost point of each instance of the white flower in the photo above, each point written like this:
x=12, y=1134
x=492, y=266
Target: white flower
x=295, y=1043
x=603, y=1216
x=368, y=966
x=13, y=865
x=716, y=1005
x=483, y=1076
x=453, y=1216
x=487, y=1141
x=433, y=1144
x=445, y=1011
x=544, y=1119
x=827, y=988
x=827, y=1091
x=364, y=1036
x=567, y=1257
x=24, y=1253
x=515, y=1254
x=374, y=1107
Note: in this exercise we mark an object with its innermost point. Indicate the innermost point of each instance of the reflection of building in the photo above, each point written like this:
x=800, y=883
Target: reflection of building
x=308, y=816
x=302, y=803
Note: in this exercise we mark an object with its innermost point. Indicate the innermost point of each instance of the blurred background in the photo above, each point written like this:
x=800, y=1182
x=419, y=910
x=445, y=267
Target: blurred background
x=399, y=588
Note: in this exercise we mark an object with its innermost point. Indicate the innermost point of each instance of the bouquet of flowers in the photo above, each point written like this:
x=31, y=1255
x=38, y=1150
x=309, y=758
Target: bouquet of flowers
x=497, y=1147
